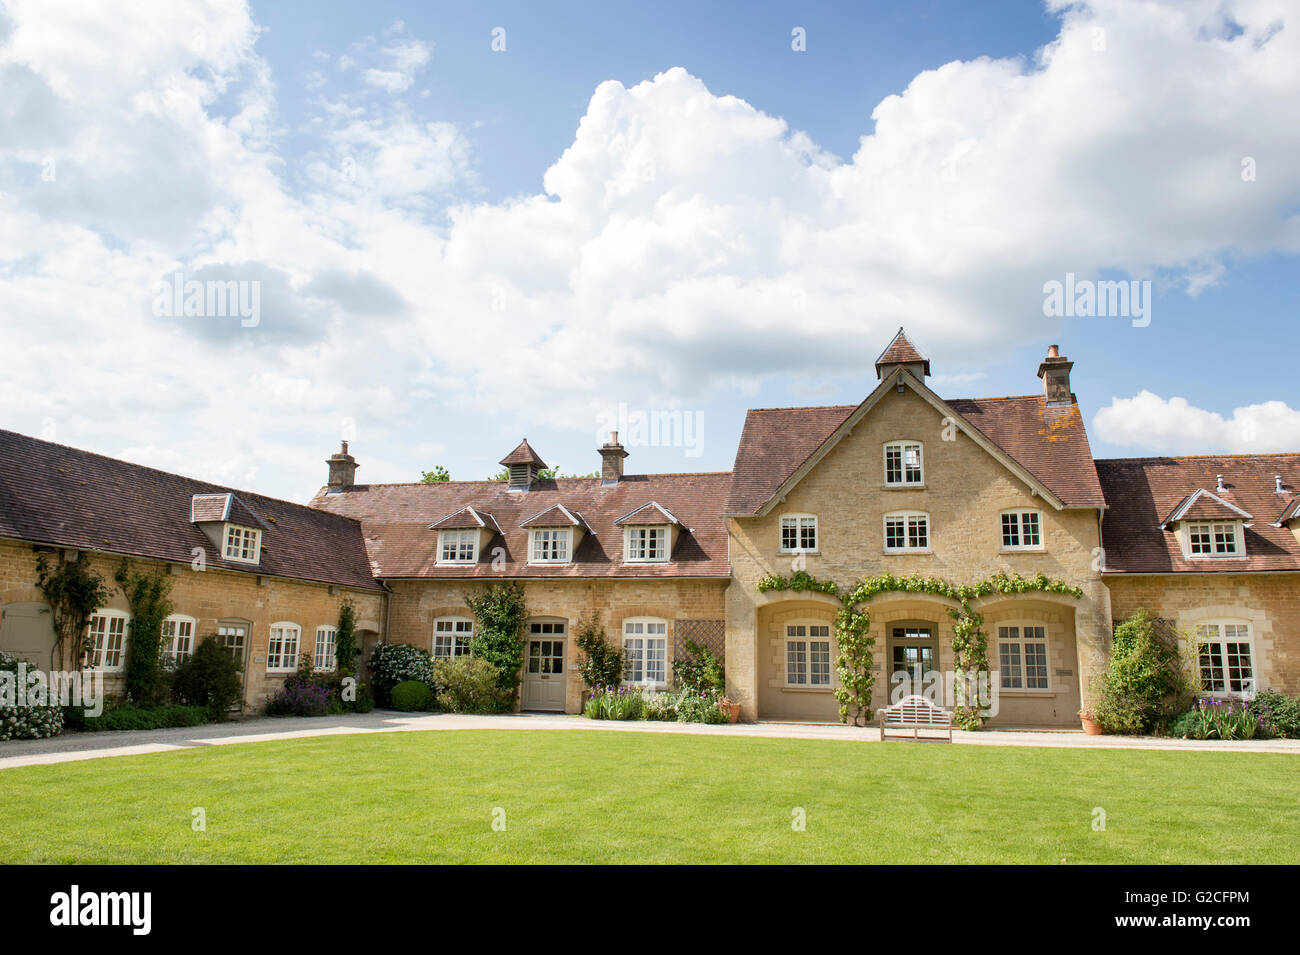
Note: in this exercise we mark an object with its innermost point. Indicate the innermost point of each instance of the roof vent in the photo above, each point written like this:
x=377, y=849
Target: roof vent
x=1277, y=484
x=1219, y=483
x=524, y=466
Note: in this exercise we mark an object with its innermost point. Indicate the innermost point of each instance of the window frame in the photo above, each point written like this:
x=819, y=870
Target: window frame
x=170, y=657
x=564, y=533
x=631, y=663
x=806, y=641
x=108, y=614
x=629, y=549
x=798, y=520
x=907, y=517
x=1019, y=514
x=1238, y=540
x=284, y=626
x=461, y=537
x=1222, y=641
x=243, y=530
x=454, y=636
x=333, y=645
x=1020, y=641
x=902, y=445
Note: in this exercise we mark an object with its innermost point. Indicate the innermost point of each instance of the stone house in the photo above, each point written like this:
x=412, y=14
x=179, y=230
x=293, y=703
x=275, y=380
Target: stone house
x=903, y=483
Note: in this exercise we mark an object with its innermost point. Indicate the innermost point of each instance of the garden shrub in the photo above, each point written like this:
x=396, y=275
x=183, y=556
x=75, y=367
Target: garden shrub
x=299, y=696
x=500, y=612
x=147, y=595
x=470, y=685
x=394, y=663
x=411, y=695
x=1146, y=680
x=128, y=717
x=1277, y=714
x=661, y=707
x=210, y=678
x=701, y=707
x=602, y=663
x=615, y=703
x=27, y=722
x=1216, y=719
x=701, y=671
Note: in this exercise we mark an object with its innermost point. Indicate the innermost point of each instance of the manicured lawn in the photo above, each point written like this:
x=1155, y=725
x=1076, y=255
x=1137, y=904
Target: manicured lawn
x=587, y=796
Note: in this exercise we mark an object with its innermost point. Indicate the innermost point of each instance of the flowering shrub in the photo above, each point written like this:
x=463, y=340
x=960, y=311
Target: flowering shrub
x=1216, y=719
x=300, y=696
x=631, y=703
x=615, y=703
x=27, y=722
x=470, y=685
x=1277, y=714
x=394, y=663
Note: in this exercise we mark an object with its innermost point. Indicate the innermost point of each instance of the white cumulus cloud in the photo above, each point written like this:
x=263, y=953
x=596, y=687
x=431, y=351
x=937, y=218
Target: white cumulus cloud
x=1155, y=424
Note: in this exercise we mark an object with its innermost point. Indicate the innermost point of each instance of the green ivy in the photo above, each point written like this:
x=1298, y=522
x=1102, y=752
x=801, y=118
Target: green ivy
x=74, y=592
x=969, y=642
x=147, y=594
x=499, y=637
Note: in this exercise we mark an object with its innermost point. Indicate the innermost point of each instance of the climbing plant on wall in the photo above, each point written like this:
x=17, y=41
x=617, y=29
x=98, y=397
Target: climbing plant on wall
x=147, y=594
x=969, y=642
x=74, y=592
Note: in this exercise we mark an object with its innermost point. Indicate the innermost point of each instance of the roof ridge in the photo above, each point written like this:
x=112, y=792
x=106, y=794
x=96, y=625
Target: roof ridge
x=494, y=483
x=1200, y=457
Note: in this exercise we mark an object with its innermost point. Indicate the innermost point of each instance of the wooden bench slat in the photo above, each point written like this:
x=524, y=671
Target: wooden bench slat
x=915, y=713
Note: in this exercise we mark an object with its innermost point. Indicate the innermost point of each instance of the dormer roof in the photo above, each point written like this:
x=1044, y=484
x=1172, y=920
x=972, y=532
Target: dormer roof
x=1203, y=505
x=557, y=515
x=1289, y=513
x=468, y=518
x=652, y=512
x=225, y=507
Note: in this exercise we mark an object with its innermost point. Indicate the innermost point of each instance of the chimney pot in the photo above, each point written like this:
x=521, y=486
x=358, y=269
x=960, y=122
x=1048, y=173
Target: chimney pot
x=1053, y=351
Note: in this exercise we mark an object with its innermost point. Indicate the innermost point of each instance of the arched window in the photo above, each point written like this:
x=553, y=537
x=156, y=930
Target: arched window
x=1226, y=655
x=645, y=647
x=178, y=638
x=107, y=640
x=282, y=647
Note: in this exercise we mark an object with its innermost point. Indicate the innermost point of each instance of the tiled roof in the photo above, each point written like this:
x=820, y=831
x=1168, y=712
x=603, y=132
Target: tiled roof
x=396, y=520
x=52, y=494
x=524, y=454
x=1289, y=513
x=901, y=351
x=1203, y=505
x=1048, y=442
x=557, y=515
x=1140, y=492
x=467, y=518
x=652, y=512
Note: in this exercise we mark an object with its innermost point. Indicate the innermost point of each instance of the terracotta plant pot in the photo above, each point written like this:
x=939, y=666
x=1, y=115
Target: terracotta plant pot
x=1090, y=726
x=732, y=709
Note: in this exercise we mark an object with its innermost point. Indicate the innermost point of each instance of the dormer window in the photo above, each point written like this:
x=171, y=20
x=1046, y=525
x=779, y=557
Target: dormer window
x=242, y=544
x=645, y=545
x=457, y=547
x=1214, y=539
x=903, y=464
x=550, y=545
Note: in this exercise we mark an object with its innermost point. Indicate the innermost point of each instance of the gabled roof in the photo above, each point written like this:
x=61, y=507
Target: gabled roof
x=1046, y=446
x=396, y=518
x=1140, y=491
x=649, y=513
x=209, y=507
x=467, y=518
x=1203, y=505
x=557, y=515
x=1291, y=512
x=901, y=351
x=524, y=454
x=60, y=496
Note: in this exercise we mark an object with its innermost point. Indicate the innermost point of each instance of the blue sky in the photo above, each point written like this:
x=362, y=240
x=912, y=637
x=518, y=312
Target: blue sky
x=448, y=262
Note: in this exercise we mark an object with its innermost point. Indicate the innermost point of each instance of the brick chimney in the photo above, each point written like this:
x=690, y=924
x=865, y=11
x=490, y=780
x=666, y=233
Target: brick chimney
x=343, y=469
x=611, y=461
x=1055, y=372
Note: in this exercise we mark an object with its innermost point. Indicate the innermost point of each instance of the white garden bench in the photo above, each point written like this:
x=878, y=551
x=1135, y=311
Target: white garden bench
x=915, y=713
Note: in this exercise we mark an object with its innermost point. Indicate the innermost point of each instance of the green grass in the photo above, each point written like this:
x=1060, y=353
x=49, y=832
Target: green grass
x=591, y=796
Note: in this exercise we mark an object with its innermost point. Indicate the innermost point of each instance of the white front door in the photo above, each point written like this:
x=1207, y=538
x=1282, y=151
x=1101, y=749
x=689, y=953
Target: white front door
x=544, y=669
